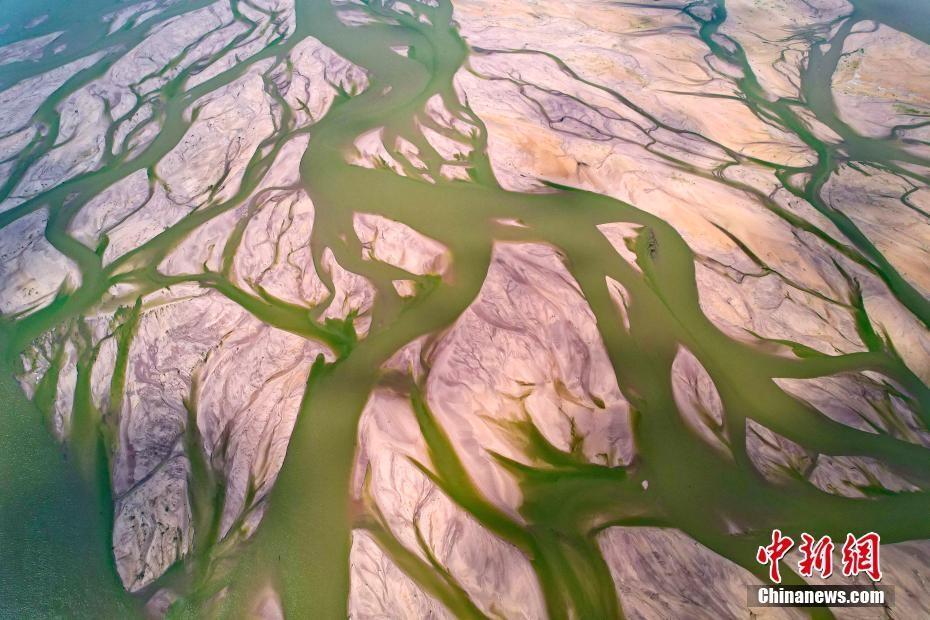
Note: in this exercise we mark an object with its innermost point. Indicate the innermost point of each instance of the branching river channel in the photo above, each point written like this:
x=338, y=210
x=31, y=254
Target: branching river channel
x=58, y=488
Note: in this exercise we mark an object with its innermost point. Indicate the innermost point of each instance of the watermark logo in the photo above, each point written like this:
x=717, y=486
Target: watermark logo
x=773, y=553
x=860, y=555
x=817, y=556
x=820, y=596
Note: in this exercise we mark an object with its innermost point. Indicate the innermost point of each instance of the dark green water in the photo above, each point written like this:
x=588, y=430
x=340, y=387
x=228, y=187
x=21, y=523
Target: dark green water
x=55, y=507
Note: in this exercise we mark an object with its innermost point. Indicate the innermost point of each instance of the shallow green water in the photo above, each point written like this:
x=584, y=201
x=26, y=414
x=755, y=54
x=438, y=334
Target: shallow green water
x=55, y=511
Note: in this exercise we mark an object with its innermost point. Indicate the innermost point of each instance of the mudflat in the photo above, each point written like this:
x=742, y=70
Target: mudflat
x=439, y=309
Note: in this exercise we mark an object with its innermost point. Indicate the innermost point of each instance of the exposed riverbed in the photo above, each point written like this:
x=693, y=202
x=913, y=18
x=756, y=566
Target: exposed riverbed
x=622, y=333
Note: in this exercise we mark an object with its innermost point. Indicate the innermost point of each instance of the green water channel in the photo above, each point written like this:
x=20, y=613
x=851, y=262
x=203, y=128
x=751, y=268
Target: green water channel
x=55, y=504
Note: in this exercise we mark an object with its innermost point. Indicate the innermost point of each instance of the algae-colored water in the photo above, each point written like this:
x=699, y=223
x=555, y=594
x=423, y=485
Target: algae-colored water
x=55, y=505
